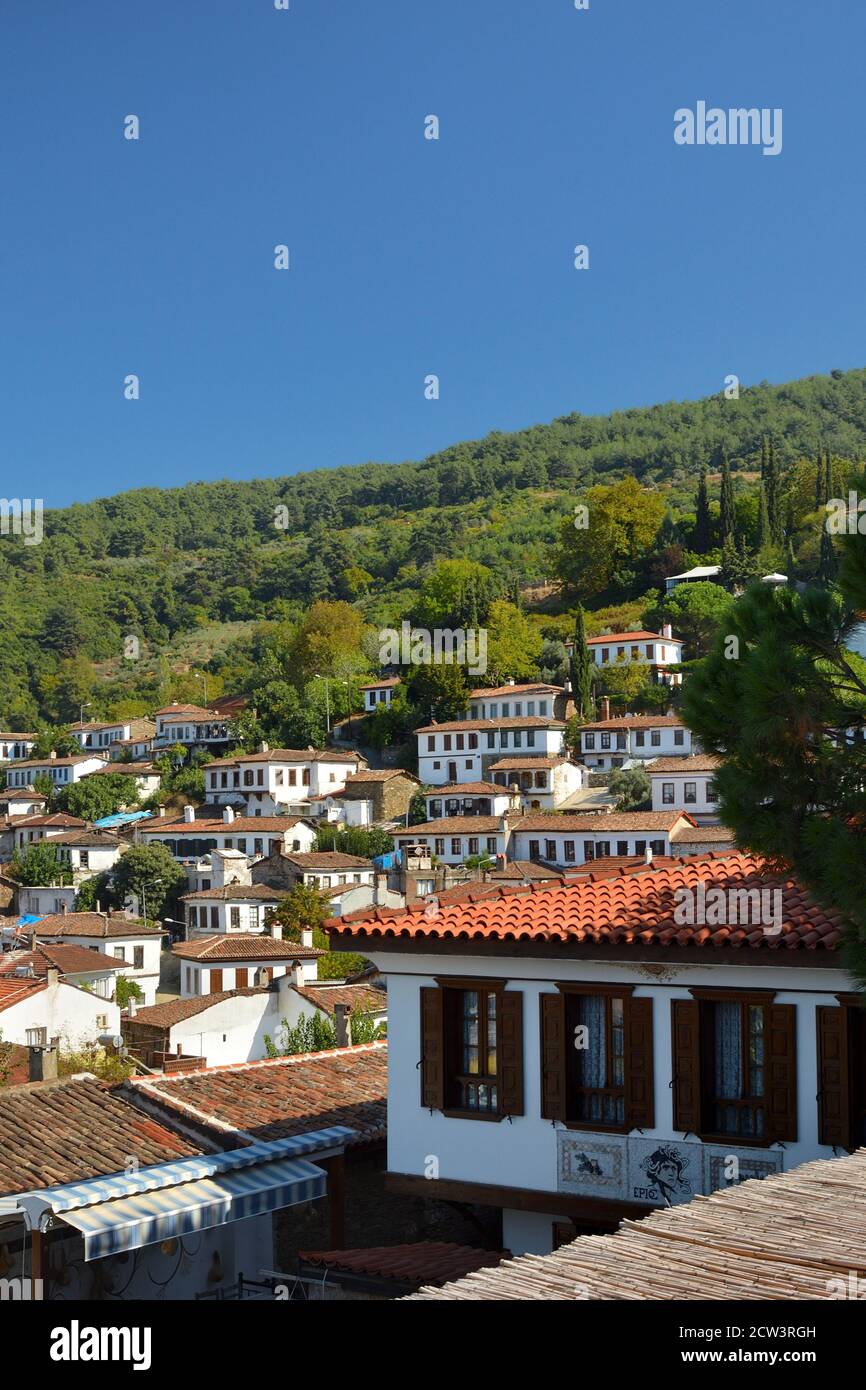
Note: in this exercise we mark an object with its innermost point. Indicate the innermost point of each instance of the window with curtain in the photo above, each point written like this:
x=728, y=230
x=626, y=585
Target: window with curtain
x=737, y=1072
x=471, y=1050
x=595, y=1035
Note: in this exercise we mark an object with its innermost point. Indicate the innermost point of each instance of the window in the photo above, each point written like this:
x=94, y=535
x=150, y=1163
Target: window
x=473, y=740
x=214, y=919
x=640, y=846
x=255, y=918
x=506, y=709
x=248, y=777
x=518, y=708
x=473, y=845
x=735, y=1066
x=84, y=859
x=691, y=793
x=711, y=793
x=118, y=953
x=535, y=849
x=242, y=978
x=503, y=738
x=438, y=846
x=656, y=737
x=446, y=743
x=491, y=739
x=622, y=846
x=569, y=848
x=102, y=1020
x=459, y=742
x=841, y=1038
x=530, y=708
x=491, y=844
x=679, y=737
x=605, y=740
x=657, y=846
x=518, y=739
x=550, y=849
x=667, y=793
x=597, y=1057
x=541, y=780
x=36, y=1037
x=431, y=743
x=471, y=1058
x=493, y=711
x=542, y=708
x=639, y=738
x=138, y=957
x=455, y=845
x=216, y=981
x=620, y=740
x=649, y=651
x=235, y=916
x=472, y=1049
x=588, y=850
x=530, y=738
x=589, y=741
x=602, y=849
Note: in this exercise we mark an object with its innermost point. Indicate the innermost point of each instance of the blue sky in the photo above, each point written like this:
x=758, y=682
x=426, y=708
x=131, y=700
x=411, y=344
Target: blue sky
x=408, y=256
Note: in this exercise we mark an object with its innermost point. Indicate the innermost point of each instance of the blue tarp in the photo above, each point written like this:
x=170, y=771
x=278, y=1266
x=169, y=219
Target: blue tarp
x=121, y=818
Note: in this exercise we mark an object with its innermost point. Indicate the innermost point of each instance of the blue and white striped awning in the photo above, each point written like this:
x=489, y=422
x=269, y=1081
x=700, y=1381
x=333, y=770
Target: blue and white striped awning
x=129, y=1222
x=127, y=1210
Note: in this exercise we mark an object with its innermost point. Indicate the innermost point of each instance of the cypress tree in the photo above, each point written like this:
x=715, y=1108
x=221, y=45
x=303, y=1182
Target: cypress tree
x=771, y=487
x=727, y=510
x=764, y=458
x=581, y=668
x=764, y=535
x=827, y=561
x=820, y=499
x=702, y=515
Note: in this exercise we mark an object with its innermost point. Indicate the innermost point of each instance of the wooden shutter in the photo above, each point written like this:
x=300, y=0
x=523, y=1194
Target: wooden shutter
x=639, y=1106
x=685, y=1026
x=781, y=1069
x=241, y=977
x=553, y=1044
x=432, y=1049
x=216, y=981
x=509, y=1051
x=834, y=1116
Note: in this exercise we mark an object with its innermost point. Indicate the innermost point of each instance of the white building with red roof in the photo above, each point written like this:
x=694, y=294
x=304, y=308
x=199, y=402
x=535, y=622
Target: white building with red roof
x=656, y=650
x=594, y=1048
x=608, y=743
x=276, y=780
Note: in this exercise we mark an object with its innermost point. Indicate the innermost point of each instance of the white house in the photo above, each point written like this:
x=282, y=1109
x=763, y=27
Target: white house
x=686, y=783
x=567, y=840
x=543, y=783
x=137, y=947
x=87, y=852
x=16, y=746
x=235, y=907
x=94, y=735
x=454, y=839
x=41, y=900
x=34, y=1011
x=62, y=771
x=656, y=650
x=379, y=692
x=585, y=1057
x=78, y=965
x=608, y=743
x=255, y=836
x=277, y=779
x=216, y=963
x=511, y=701
x=469, y=799
x=16, y=806
x=463, y=750
x=29, y=830
x=192, y=726
x=234, y=1025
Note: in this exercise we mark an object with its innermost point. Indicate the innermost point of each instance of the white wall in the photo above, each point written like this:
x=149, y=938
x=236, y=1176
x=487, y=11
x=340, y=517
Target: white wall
x=523, y=1153
x=701, y=806
x=63, y=1011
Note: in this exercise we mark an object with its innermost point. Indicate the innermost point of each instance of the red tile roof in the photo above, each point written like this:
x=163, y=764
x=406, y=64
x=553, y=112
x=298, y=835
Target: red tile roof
x=635, y=721
x=97, y=924
x=458, y=789
x=285, y=1096
x=69, y=1131
x=68, y=958
x=60, y=818
x=487, y=692
x=187, y=712
x=13, y=990
x=242, y=946
x=327, y=997
x=529, y=764
x=241, y=825
x=456, y=825
x=173, y=1011
x=459, y=726
x=634, y=908
x=237, y=893
x=326, y=859
x=554, y=823
x=424, y=1262
x=611, y=638
x=383, y=684
x=696, y=762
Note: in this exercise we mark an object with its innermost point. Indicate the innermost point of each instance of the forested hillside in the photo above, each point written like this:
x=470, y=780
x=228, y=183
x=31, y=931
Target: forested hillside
x=214, y=579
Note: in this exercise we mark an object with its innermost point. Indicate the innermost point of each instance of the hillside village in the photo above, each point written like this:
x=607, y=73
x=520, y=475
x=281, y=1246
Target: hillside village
x=416, y=1005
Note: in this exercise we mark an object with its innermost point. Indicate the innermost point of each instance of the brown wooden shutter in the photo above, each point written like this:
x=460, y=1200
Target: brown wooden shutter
x=509, y=1050
x=639, y=1100
x=781, y=1081
x=241, y=977
x=432, y=1049
x=216, y=981
x=553, y=1044
x=834, y=1116
x=685, y=1025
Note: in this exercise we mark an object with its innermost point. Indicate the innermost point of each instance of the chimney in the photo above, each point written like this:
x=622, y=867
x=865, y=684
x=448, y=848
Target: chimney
x=131, y=1006
x=188, y=815
x=605, y=707
x=648, y=855
x=667, y=631
x=307, y=936
x=379, y=890
x=228, y=815
x=343, y=1025
x=162, y=811
x=276, y=931
x=53, y=977
x=264, y=747
x=297, y=974
x=42, y=1064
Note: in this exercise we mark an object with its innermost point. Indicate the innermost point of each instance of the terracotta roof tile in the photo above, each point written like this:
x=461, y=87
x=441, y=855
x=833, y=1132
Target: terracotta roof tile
x=241, y=825
x=173, y=1011
x=697, y=762
x=96, y=924
x=633, y=908
x=424, y=1262
x=68, y=1131
x=68, y=958
x=242, y=946
x=360, y=996
x=285, y=1096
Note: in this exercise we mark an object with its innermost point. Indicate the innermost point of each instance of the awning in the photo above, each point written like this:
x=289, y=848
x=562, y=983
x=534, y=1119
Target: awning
x=129, y=1222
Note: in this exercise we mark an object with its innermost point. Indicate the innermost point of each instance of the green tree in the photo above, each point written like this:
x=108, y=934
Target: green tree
x=696, y=612
x=151, y=875
x=438, y=692
x=95, y=797
x=632, y=789
x=727, y=507
x=513, y=644
x=702, y=515
x=623, y=522
x=303, y=906
x=38, y=864
x=582, y=668
x=126, y=989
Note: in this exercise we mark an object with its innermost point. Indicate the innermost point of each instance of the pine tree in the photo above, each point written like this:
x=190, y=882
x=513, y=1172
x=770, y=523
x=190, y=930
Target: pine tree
x=764, y=458
x=581, y=668
x=702, y=516
x=727, y=509
x=827, y=561
x=820, y=499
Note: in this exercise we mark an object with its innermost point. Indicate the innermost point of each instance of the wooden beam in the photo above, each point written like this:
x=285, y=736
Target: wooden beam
x=584, y=1209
